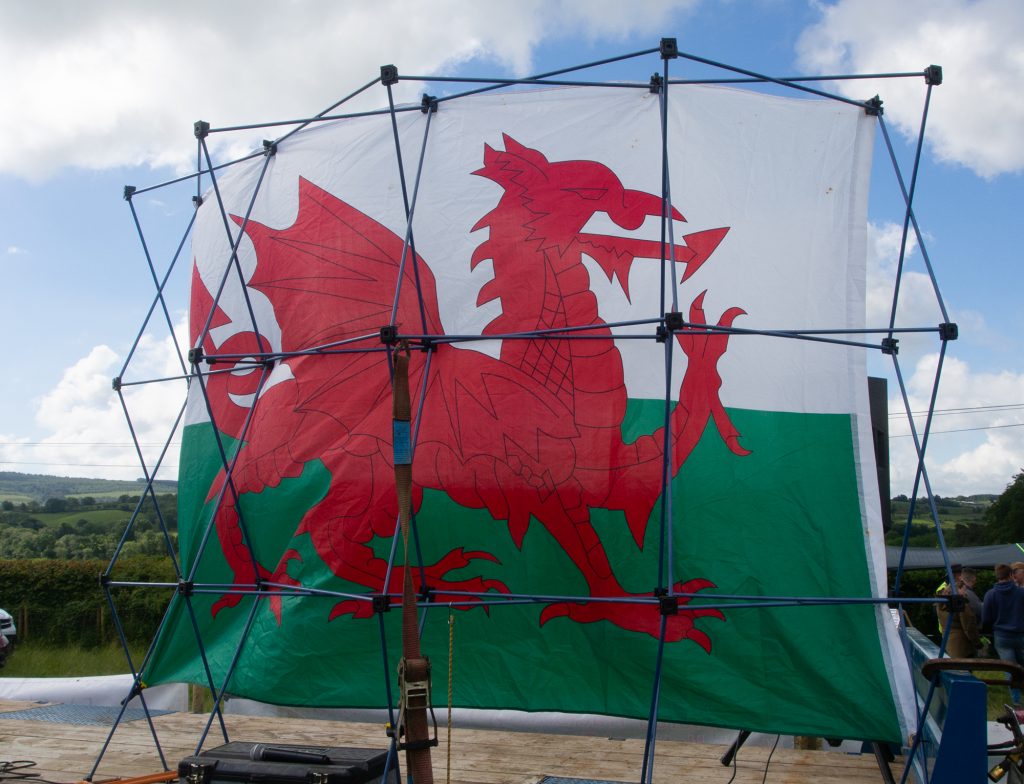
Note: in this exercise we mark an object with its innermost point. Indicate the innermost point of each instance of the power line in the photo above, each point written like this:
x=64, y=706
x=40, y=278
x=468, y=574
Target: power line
x=961, y=430
x=120, y=444
x=961, y=410
x=79, y=465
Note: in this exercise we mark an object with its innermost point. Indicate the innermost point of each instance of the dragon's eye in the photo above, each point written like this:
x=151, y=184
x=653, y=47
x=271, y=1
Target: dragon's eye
x=590, y=194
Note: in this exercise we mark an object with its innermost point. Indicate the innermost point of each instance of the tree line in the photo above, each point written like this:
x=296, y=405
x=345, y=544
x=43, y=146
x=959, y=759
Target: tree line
x=968, y=521
x=81, y=528
x=40, y=487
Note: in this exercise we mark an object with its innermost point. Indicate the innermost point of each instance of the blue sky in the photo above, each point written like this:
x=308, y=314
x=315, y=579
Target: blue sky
x=104, y=94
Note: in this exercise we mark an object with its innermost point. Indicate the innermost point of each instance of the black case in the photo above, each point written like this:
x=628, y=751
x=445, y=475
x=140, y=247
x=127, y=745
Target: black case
x=232, y=763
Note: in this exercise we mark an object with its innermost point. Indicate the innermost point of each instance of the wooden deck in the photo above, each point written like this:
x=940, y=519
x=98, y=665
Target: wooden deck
x=67, y=752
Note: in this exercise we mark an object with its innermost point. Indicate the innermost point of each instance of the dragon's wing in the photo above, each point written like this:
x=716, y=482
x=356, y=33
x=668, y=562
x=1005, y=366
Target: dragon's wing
x=332, y=275
x=331, y=278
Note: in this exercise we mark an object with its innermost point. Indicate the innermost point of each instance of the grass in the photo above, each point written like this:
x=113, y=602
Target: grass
x=105, y=517
x=16, y=498
x=998, y=696
x=44, y=661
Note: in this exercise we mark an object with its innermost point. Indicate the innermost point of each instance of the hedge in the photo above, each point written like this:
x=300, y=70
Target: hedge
x=60, y=602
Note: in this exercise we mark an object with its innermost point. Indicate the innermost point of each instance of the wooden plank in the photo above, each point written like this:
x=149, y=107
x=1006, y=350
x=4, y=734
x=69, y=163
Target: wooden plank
x=67, y=752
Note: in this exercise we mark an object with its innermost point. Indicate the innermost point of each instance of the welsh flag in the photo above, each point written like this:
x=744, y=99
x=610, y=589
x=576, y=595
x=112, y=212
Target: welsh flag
x=623, y=474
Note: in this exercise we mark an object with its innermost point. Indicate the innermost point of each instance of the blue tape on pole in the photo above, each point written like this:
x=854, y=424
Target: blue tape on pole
x=402, y=442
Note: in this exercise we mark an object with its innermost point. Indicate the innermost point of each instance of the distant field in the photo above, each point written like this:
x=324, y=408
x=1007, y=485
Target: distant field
x=25, y=488
x=951, y=512
x=965, y=511
x=114, y=495
x=103, y=517
x=15, y=498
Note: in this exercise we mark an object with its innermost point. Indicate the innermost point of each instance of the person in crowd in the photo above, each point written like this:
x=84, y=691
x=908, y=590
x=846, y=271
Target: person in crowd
x=1018, y=572
x=943, y=590
x=969, y=578
x=964, y=638
x=1003, y=613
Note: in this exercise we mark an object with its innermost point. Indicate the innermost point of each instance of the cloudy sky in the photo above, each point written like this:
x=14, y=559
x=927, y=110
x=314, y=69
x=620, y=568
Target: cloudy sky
x=103, y=94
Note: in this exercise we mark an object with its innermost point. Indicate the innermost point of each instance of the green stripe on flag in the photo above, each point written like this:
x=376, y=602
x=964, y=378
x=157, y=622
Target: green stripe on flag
x=782, y=521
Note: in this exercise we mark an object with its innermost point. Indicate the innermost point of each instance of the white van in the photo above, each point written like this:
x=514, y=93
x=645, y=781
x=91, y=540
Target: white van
x=8, y=629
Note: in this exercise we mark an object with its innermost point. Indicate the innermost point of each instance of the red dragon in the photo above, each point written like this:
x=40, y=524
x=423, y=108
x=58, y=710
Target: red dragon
x=533, y=434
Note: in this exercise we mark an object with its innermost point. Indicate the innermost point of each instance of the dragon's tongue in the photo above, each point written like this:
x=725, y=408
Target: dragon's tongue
x=702, y=244
x=615, y=255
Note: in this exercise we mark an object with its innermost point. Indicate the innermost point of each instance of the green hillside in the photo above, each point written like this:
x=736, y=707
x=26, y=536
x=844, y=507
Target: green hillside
x=963, y=521
x=25, y=488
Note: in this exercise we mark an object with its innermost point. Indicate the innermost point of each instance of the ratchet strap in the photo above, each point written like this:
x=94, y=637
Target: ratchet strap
x=415, y=711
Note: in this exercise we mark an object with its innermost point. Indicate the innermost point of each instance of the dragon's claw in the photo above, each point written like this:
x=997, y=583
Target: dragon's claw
x=353, y=607
x=224, y=602
x=459, y=558
x=463, y=594
x=643, y=617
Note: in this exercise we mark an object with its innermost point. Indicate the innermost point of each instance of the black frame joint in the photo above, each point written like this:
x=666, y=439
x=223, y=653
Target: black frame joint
x=669, y=49
x=428, y=104
x=949, y=331
x=269, y=148
x=890, y=346
x=933, y=75
x=425, y=594
x=674, y=321
x=381, y=603
x=668, y=605
x=201, y=129
x=388, y=75
x=134, y=692
x=656, y=83
x=115, y=383
x=104, y=580
x=129, y=191
x=186, y=587
x=873, y=107
x=389, y=334
x=197, y=202
x=195, y=355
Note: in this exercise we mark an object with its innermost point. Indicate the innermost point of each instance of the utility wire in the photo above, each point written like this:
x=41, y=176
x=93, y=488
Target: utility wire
x=961, y=410
x=87, y=443
x=961, y=430
x=79, y=465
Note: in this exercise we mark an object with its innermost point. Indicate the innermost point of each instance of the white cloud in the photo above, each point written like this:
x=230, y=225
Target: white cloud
x=108, y=83
x=14, y=250
x=970, y=461
x=974, y=118
x=916, y=304
x=967, y=462
x=86, y=431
